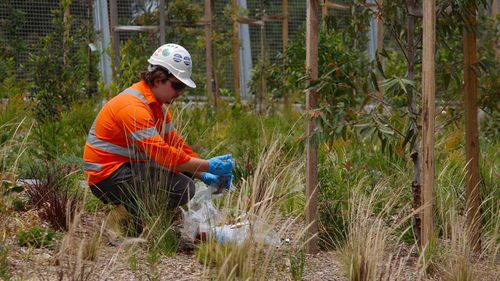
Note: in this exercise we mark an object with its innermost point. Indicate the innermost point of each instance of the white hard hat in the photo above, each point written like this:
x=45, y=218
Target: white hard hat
x=175, y=59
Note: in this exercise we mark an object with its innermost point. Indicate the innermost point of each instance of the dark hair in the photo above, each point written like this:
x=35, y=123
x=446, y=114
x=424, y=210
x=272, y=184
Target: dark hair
x=153, y=73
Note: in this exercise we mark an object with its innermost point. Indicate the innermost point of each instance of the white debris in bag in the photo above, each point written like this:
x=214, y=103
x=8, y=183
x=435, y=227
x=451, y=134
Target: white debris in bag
x=201, y=212
x=231, y=233
x=202, y=219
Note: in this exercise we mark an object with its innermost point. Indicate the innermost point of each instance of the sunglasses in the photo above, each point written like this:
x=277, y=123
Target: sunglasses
x=178, y=86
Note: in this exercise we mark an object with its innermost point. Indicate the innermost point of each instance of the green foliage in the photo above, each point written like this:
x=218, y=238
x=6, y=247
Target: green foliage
x=63, y=70
x=133, y=59
x=353, y=25
x=181, y=18
x=10, y=86
x=65, y=136
x=341, y=86
x=37, y=237
x=14, y=134
x=341, y=166
x=93, y=204
x=18, y=204
x=10, y=27
x=237, y=131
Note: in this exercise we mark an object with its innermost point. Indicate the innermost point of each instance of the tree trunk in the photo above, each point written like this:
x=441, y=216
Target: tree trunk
x=416, y=184
x=473, y=196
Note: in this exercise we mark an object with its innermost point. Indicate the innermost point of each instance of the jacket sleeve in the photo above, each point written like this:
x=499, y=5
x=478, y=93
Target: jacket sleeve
x=174, y=139
x=139, y=125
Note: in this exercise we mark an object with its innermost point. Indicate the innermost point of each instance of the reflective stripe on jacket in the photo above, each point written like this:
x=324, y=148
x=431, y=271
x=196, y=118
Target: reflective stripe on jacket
x=132, y=126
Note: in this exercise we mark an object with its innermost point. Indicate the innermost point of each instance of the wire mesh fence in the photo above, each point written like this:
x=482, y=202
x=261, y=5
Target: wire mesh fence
x=23, y=23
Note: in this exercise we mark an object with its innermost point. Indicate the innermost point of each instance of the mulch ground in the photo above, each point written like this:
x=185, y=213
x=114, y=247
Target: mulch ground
x=129, y=259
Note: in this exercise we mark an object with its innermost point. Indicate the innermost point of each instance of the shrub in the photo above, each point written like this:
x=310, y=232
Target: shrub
x=63, y=69
x=37, y=237
x=52, y=194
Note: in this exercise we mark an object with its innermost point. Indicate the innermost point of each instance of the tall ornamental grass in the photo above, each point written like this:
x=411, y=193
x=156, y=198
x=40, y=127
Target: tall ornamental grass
x=256, y=201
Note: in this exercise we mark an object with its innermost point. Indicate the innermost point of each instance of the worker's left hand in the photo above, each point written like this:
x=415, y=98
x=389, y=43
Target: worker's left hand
x=210, y=179
x=216, y=181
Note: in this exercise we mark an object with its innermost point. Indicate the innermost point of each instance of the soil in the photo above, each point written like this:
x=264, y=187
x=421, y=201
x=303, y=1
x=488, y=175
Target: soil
x=128, y=259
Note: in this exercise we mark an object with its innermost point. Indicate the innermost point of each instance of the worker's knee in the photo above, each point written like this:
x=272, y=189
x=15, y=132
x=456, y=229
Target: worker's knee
x=182, y=193
x=188, y=193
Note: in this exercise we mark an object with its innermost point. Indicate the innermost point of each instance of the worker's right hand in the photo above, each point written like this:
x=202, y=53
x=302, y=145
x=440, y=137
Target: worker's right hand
x=221, y=165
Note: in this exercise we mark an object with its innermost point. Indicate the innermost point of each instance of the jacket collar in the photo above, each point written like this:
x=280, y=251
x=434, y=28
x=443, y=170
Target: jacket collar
x=144, y=88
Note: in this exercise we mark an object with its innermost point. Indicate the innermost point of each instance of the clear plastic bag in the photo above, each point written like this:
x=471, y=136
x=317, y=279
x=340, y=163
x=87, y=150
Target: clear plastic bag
x=203, y=219
x=201, y=212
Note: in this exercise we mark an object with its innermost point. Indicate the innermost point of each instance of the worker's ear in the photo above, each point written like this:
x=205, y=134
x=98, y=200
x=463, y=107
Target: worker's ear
x=156, y=83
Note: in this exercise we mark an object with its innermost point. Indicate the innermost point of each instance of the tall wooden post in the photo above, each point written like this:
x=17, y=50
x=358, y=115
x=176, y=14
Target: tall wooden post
x=324, y=13
x=113, y=10
x=380, y=31
x=284, y=29
x=494, y=14
x=416, y=157
x=380, y=46
x=263, y=83
x=286, y=101
x=236, y=51
x=161, y=7
x=428, y=110
x=66, y=33
x=209, y=52
x=473, y=216
x=312, y=140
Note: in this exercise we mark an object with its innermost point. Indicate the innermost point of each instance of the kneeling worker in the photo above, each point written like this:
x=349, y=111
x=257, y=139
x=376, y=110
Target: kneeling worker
x=132, y=142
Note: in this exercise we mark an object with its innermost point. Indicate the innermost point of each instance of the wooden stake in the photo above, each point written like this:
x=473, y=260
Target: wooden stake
x=285, y=25
x=494, y=14
x=263, y=86
x=324, y=13
x=429, y=88
x=312, y=140
x=209, y=52
x=236, y=51
x=161, y=8
x=285, y=48
x=67, y=29
x=471, y=131
x=113, y=10
x=416, y=184
x=380, y=46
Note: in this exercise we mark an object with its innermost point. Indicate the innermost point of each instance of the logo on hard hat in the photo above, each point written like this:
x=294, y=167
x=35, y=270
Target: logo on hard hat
x=177, y=57
x=165, y=52
x=187, y=60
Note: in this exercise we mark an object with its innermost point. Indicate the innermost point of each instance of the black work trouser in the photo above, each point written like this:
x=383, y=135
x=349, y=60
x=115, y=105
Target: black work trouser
x=139, y=186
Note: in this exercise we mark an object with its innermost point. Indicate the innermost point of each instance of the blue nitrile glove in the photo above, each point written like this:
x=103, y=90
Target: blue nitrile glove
x=210, y=179
x=215, y=180
x=221, y=165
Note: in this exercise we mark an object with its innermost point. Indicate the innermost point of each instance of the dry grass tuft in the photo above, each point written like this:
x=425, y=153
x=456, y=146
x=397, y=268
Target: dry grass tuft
x=256, y=202
x=364, y=253
x=456, y=261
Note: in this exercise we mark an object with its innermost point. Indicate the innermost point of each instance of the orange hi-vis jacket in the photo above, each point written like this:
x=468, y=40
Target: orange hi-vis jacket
x=132, y=127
